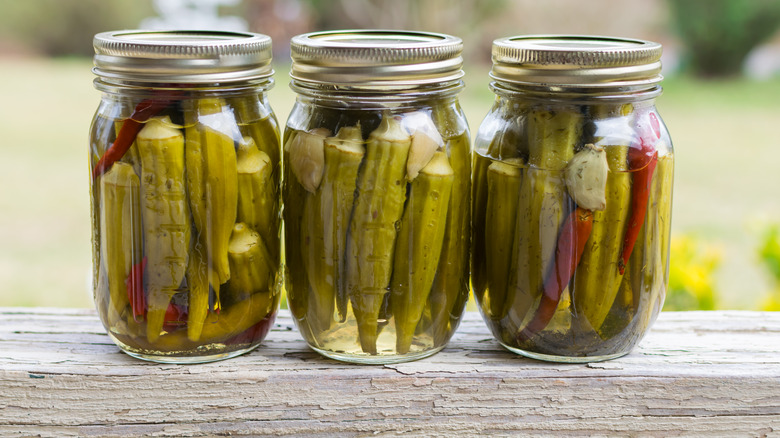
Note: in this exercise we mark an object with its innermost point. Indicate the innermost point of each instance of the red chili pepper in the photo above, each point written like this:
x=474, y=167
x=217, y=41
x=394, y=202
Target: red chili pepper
x=126, y=136
x=568, y=252
x=135, y=289
x=641, y=161
x=175, y=317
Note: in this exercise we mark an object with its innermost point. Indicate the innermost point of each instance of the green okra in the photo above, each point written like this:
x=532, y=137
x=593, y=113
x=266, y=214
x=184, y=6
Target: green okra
x=506, y=142
x=120, y=225
x=305, y=153
x=198, y=286
x=212, y=180
x=378, y=207
x=450, y=289
x=257, y=197
x=649, y=261
x=294, y=195
x=479, y=196
x=597, y=279
x=326, y=217
x=418, y=246
x=100, y=134
x=543, y=203
x=255, y=121
x=251, y=264
x=503, y=181
x=165, y=216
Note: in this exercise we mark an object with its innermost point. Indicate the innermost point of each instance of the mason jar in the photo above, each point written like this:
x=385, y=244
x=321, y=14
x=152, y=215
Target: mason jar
x=572, y=197
x=376, y=193
x=185, y=168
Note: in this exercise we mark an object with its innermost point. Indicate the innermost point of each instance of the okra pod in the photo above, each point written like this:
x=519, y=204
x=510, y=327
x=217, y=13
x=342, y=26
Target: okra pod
x=165, y=217
x=378, y=207
x=198, y=286
x=257, y=203
x=120, y=225
x=418, y=246
x=503, y=182
x=504, y=144
x=326, y=216
x=255, y=121
x=543, y=205
x=450, y=289
x=650, y=258
x=296, y=281
x=597, y=279
x=252, y=268
x=212, y=180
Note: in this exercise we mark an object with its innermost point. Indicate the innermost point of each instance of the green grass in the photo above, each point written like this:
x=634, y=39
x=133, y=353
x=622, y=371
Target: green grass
x=726, y=173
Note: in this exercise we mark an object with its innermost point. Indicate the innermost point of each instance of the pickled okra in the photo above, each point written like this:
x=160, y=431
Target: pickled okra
x=256, y=206
x=250, y=262
x=369, y=225
x=543, y=203
x=420, y=238
x=596, y=303
x=450, y=289
x=166, y=222
x=155, y=266
x=326, y=217
x=372, y=236
x=296, y=281
x=121, y=245
x=198, y=284
x=182, y=151
x=503, y=184
x=212, y=181
x=597, y=281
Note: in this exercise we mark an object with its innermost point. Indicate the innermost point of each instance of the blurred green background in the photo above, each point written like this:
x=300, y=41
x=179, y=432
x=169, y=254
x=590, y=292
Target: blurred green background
x=721, y=104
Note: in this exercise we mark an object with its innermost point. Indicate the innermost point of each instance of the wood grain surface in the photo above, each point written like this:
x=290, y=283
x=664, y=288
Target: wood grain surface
x=696, y=373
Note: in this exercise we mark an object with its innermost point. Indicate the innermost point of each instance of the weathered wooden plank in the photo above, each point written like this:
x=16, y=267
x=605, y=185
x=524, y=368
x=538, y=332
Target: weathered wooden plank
x=696, y=373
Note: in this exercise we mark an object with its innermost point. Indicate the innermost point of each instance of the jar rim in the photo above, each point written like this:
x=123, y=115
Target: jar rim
x=376, y=57
x=576, y=60
x=182, y=56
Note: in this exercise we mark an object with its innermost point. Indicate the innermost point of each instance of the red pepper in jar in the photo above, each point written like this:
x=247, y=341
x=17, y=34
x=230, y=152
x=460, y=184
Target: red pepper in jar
x=126, y=136
x=642, y=159
x=568, y=252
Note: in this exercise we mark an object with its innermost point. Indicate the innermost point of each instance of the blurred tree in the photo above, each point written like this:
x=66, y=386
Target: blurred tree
x=719, y=34
x=464, y=18
x=281, y=20
x=66, y=27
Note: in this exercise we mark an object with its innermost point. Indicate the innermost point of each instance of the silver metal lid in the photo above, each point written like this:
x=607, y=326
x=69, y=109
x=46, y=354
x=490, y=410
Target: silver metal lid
x=182, y=56
x=580, y=61
x=376, y=57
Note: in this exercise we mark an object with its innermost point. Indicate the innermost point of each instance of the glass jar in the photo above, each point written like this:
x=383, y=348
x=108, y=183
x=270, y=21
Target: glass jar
x=572, y=197
x=185, y=169
x=376, y=192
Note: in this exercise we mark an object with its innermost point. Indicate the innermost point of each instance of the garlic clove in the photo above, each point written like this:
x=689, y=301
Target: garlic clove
x=426, y=140
x=307, y=157
x=586, y=177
